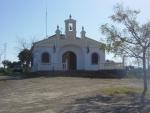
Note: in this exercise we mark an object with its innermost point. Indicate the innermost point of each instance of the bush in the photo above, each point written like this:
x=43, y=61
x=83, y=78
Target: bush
x=7, y=71
x=1, y=70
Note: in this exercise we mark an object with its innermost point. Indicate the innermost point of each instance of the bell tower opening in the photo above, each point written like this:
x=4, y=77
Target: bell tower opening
x=70, y=28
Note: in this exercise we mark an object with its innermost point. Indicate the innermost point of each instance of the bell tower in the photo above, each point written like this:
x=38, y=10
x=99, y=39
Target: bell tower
x=70, y=28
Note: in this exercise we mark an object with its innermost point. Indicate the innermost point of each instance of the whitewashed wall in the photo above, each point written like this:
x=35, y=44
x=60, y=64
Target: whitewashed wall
x=89, y=65
x=83, y=58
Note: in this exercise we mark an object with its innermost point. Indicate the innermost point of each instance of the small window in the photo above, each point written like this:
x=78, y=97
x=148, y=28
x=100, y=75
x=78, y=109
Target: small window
x=45, y=58
x=70, y=27
x=94, y=58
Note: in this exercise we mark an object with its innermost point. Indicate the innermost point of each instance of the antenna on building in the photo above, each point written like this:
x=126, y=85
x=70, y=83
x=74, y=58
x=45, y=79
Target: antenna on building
x=46, y=20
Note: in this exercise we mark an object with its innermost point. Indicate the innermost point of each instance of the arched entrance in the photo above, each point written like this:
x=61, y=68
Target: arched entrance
x=70, y=60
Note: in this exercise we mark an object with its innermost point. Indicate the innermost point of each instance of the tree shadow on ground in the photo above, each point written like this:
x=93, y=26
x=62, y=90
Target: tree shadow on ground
x=108, y=104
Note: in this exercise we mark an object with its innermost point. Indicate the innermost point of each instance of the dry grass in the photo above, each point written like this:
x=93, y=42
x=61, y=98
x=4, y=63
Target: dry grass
x=123, y=90
x=1, y=74
x=120, y=90
x=51, y=94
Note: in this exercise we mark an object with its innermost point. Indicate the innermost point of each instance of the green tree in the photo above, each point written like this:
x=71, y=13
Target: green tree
x=25, y=58
x=6, y=63
x=128, y=37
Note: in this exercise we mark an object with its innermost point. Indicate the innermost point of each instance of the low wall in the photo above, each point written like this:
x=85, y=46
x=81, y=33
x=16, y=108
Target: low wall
x=115, y=73
x=112, y=66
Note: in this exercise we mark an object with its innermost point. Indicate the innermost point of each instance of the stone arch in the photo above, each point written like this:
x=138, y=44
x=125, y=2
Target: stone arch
x=70, y=59
x=78, y=51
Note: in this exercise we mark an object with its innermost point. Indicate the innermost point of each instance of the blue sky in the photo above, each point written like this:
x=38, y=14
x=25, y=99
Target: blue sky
x=26, y=18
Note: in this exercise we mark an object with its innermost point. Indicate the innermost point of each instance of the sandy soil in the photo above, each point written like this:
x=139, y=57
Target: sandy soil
x=55, y=94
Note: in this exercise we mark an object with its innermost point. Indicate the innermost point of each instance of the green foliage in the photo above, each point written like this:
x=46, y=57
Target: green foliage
x=7, y=71
x=25, y=58
x=1, y=70
x=6, y=63
x=102, y=46
x=128, y=37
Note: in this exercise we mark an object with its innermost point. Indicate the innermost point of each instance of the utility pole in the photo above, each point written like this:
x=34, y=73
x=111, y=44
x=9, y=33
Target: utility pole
x=5, y=50
x=123, y=60
x=148, y=63
x=148, y=59
x=0, y=55
x=0, y=59
x=46, y=20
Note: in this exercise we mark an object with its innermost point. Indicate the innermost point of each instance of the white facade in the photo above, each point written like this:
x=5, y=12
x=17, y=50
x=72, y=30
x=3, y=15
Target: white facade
x=65, y=52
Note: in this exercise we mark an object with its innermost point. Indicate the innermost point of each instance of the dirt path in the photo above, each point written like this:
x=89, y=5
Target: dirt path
x=50, y=95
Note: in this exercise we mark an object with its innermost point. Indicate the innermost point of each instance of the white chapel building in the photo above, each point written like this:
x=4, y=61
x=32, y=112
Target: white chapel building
x=65, y=52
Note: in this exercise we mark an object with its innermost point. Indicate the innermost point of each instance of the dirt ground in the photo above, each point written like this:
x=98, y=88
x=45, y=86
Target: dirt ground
x=65, y=95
